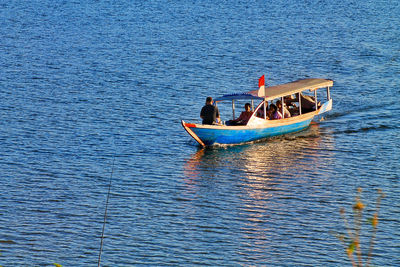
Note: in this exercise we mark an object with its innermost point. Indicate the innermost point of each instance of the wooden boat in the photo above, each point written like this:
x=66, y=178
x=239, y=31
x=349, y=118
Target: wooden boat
x=261, y=127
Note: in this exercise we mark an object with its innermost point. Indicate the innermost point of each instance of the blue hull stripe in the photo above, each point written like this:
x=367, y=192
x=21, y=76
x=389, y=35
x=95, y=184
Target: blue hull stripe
x=233, y=136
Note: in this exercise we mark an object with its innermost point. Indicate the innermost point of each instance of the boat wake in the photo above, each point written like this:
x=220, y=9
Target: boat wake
x=368, y=129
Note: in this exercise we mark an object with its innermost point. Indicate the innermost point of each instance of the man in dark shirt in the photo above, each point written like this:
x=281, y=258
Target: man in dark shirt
x=209, y=113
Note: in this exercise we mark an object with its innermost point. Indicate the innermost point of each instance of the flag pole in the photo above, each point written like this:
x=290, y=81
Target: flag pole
x=261, y=83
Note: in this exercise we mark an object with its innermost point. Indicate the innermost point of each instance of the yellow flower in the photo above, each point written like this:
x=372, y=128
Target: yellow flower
x=375, y=221
x=358, y=206
x=350, y=249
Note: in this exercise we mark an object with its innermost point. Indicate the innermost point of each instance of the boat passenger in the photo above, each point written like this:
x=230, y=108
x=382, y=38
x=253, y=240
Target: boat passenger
x=289, y=101
x=209, y=113
x=290, y=105
x=307, y=102
x=274, y=114
x=285, y=110
x=260, y=111
x=243, y=118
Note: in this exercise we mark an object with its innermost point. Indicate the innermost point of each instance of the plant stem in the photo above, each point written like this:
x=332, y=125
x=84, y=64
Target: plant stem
x=375, y=226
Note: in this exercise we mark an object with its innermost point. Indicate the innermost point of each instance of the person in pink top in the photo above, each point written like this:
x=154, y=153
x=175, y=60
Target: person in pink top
x=274, y=113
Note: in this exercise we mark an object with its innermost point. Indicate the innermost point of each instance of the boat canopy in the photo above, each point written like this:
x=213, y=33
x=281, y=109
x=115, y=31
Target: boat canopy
x=273, y=92
x=238, y=96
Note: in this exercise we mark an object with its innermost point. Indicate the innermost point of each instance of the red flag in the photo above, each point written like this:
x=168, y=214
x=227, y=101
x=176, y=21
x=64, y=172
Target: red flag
x=261, y=81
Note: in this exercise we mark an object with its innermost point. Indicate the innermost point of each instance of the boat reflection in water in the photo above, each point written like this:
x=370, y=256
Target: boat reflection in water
x=265, y=191
x=291, y=155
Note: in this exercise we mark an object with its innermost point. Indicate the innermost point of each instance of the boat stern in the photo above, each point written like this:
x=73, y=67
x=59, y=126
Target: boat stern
x=327, y=106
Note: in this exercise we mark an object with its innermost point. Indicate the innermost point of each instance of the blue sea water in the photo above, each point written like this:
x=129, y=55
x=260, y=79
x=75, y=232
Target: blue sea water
x=84, y=83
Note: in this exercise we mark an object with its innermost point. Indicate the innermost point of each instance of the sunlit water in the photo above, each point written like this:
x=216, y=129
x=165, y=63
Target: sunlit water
x=82, y=83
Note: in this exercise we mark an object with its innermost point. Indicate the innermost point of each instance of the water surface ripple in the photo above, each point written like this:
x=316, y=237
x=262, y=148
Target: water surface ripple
x=83, y=81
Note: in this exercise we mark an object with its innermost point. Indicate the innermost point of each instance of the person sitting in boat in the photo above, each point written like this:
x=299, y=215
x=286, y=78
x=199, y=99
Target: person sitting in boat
x=209, y=113
x=286, y=112
x=273, y=112
x=307, y=102
x=260, y=111
x=243, y=118
x=290, y=105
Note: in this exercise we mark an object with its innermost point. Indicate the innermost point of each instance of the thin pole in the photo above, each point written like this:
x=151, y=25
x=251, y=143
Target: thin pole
x=265, y=109
x=299, y=103
x=328, y=93
x=233, y=109
x=105, y=212
x=265, y=101
x=315, y=97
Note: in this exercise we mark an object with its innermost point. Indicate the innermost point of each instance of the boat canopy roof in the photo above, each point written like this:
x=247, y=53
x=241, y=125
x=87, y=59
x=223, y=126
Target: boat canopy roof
x=238, y=96
x=276, y=91
x=273, y=92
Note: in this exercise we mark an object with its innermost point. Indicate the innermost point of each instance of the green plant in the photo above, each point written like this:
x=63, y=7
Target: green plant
x=351, y=239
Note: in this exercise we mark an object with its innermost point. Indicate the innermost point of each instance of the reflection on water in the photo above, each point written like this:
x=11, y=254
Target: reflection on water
x=266, y=159
x=269, y=184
